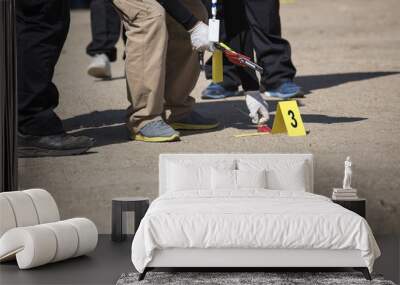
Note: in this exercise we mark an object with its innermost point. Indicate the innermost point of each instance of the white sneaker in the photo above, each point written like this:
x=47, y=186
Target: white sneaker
x=100, y=66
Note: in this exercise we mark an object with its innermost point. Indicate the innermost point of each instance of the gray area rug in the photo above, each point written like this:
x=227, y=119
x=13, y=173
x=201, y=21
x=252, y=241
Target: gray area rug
x=244, y=278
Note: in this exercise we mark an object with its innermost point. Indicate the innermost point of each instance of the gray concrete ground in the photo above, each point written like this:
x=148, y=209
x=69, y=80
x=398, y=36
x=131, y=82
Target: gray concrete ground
x=347, y=56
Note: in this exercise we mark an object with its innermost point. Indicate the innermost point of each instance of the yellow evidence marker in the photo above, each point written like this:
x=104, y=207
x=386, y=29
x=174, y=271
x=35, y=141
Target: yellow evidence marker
x=288, y=119
x=217, y=67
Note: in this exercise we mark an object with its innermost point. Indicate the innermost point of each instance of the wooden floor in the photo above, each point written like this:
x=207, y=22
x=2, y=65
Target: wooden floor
x=110, y=260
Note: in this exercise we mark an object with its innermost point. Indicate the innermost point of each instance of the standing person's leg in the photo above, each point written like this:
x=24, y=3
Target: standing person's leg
x=182, y=73
x=42, y=28
x=273, y=52
x=105, y=24
x=243, y=43
x=38, y=48
x=231, y=82
x=146, y=49
x=239, y=40
x=106, y=30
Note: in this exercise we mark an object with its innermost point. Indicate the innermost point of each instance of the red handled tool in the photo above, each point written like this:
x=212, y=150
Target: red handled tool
x=237, y=58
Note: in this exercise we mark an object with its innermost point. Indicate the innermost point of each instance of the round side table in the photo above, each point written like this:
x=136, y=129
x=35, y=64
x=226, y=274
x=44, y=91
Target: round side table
x=139, y=205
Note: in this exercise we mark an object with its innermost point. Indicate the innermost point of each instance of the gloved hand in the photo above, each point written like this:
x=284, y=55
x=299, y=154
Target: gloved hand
x=257, y=106
x=199, y=37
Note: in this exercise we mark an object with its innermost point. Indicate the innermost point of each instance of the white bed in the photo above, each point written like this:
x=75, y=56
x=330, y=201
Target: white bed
x=203, y=219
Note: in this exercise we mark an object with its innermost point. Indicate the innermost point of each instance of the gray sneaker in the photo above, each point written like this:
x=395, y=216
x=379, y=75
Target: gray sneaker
x=156, y=131
x=195, y=121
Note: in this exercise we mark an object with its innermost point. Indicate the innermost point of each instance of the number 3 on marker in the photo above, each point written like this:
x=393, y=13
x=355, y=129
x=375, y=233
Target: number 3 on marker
x=288, y=119
x=293, y=123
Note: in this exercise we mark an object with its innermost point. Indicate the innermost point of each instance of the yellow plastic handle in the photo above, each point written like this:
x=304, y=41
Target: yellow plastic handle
x=225, y=46
x=217, y=67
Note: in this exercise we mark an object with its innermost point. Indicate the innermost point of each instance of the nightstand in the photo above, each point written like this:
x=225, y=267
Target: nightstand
x=358, y=206
x=122, y=205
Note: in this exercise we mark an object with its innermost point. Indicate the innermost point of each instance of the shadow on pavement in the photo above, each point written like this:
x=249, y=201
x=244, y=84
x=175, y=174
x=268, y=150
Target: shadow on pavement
x=110, y=79
x=106, y=135
x=233, y=114
x=310, y=83
x=95, y=119
x=323, y=119
x=107, y=127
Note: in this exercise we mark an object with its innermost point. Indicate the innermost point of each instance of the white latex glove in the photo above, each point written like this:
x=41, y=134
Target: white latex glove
x=258, y=107
x=199, y=37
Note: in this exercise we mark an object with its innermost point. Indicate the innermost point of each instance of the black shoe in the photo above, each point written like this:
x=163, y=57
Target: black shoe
x=195, y=121
x=53, y=145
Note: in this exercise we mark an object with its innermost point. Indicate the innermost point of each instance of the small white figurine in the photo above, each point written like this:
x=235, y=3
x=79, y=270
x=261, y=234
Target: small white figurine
x=347, y=174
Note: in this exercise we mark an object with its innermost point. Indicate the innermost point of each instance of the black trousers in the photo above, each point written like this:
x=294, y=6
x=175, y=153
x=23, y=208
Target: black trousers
x=262, y=18
x=234, y=76
x=106, y=29
x=42, y=27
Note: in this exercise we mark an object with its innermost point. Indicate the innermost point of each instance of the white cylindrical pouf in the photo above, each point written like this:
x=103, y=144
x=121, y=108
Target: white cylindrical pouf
x=23, y=208
x=45, y=205
x=34, y=246
x=87, y=235
x=7, y=218
x=67, y=239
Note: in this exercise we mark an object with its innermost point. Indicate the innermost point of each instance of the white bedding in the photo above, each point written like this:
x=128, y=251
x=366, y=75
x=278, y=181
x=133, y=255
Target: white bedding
x=250, y=219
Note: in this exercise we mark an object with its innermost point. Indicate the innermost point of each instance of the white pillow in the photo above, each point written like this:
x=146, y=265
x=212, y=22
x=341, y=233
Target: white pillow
x=186, y=175
x=281, y=174
x=291, y=178
x=227, y=179
x=223, y=179
x=251, y=179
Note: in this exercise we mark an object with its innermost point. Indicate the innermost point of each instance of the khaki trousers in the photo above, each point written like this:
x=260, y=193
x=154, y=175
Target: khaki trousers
x=161, y=66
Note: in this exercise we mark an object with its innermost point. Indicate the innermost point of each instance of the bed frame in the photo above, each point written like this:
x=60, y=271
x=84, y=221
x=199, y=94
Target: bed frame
x=242, y=259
